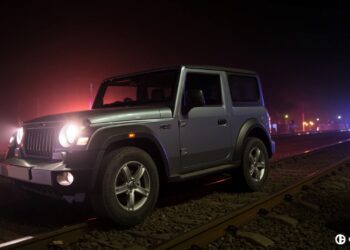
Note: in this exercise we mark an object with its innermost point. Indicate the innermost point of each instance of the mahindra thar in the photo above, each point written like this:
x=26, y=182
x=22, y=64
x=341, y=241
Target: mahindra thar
x=145, y=128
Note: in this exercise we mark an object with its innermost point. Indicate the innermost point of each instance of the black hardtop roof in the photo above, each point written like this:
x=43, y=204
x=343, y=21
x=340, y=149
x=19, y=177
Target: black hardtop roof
x=220, y=68
x=205, y=67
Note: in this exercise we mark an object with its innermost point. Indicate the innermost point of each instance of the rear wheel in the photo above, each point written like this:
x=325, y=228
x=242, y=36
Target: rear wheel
x=254, y=170
x=129, y=186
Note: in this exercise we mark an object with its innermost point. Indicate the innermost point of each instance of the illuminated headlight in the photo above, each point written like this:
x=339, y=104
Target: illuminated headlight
x=19, y=136
x=70, y=134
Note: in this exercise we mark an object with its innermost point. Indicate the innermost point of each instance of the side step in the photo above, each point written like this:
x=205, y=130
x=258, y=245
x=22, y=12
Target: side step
x=202, y=172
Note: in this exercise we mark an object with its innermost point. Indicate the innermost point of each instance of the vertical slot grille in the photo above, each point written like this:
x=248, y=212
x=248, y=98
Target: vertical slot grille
x=38, y=142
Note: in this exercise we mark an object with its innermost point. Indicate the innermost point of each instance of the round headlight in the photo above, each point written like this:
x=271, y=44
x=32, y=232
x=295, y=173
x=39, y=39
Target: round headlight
x=19, y=136
x=68, y=135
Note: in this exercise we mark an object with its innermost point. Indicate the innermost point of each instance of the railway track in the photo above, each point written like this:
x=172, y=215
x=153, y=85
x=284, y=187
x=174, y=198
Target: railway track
x=200, y=237
x=182, y=232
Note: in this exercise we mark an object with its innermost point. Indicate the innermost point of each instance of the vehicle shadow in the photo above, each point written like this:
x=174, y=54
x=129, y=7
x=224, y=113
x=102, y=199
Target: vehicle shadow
x=181, y=192
x=25, y=213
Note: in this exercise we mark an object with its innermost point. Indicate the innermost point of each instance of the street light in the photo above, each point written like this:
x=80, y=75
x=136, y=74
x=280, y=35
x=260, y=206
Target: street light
x=286, y=116
x=318, y=119
x=339, y=117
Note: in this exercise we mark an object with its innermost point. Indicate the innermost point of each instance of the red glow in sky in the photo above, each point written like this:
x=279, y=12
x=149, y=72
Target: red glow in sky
x=52, y=51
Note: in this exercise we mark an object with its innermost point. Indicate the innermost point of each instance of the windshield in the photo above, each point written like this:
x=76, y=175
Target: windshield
x=157, y=88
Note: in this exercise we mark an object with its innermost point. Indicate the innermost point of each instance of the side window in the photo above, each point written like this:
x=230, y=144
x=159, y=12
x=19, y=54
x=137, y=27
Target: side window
x=244, y=89
x=206, y=87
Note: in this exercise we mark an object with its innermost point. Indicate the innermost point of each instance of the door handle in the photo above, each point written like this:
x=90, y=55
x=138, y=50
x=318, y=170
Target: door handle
x=165, y=126
x=222, y=122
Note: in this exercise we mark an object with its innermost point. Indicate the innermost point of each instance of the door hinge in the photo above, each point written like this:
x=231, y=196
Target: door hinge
x=182, y=123
x=184, y=151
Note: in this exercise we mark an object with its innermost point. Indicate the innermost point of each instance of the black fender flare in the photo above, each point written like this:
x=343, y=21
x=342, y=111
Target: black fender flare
x=244, y=132
x=102, y=138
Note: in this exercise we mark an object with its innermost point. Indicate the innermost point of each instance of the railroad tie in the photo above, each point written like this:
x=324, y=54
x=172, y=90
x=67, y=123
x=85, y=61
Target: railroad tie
x=256, y=238
x=163, y=236
x=340, y=185
x=136, y=247
x=346, y=179
x=308, y=204
x=310, y=188
x=335, y=186
x=284, y=219
x=186, y=221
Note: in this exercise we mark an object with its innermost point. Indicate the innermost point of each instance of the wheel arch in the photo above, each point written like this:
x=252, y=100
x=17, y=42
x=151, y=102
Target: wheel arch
x=144, y=139
x=251, y=128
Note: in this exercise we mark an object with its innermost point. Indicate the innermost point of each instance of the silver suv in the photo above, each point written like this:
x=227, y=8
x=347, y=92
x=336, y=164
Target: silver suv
x=161, y=125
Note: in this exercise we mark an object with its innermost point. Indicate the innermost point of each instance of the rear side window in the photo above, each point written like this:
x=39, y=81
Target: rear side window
x=209, y=84
x=244, y=90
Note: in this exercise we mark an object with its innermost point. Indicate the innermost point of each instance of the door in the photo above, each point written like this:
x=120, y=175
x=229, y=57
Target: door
x=205, y=136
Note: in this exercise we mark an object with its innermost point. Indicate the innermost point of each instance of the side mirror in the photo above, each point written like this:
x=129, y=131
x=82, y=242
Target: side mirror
x=193, y=98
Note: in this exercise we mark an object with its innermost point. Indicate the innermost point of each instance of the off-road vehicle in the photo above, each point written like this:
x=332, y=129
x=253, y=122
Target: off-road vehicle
x=161, y=125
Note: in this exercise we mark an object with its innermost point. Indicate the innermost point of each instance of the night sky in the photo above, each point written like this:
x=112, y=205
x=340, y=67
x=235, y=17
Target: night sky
x=52, y=51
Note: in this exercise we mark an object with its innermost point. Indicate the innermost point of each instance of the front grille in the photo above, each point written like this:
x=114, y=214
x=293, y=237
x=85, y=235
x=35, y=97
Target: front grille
x=38, y=142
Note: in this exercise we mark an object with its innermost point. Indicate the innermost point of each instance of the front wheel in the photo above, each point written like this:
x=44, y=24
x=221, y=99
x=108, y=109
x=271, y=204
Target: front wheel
x=254, y=170
x=129, y=186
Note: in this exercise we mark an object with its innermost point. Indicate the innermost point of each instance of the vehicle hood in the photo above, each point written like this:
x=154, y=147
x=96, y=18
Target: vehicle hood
x=107, y=115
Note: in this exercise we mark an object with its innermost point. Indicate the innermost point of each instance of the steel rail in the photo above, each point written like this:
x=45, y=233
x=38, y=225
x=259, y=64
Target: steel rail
x=58, y=238
x=308, y=151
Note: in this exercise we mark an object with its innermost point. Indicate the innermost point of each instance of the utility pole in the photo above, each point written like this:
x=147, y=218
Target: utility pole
x=91, y=96
x=37, y=106
x=303, y=116
x=19, y=111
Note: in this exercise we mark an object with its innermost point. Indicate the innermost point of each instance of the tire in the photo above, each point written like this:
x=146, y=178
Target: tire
x=254, y=170
x=132, y=173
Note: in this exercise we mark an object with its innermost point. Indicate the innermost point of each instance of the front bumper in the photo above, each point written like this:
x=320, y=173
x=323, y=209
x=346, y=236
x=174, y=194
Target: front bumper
x=44, y=173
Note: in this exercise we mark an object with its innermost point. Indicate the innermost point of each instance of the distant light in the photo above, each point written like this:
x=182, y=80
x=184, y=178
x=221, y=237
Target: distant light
x=132, y=135
x=286, y=116
x=318, y=119
x=339, y=117
x=306, y=124
x=311, y=123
